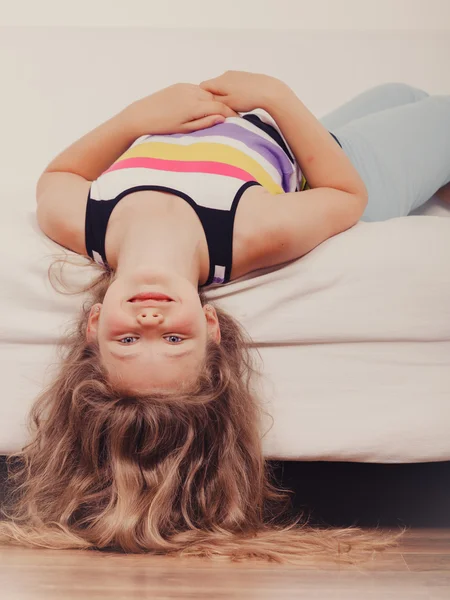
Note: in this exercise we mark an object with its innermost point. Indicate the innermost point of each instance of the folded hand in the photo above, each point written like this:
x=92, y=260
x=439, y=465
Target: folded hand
x=244, y=91
x=179, y=108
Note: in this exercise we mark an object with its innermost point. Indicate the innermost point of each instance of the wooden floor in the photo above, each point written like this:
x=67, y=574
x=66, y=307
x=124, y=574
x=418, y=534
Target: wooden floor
x=418, y=569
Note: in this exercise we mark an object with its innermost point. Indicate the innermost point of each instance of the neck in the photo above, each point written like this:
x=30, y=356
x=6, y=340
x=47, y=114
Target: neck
x=170, y=246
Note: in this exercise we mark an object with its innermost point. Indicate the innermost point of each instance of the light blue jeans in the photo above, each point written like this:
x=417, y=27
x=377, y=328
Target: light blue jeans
x=398, y=139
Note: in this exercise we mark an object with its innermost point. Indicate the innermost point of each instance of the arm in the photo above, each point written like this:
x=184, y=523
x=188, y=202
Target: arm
x=301, y=221
x=180, y=108
x=291, y=225
x=321, y=159
x=94, y=153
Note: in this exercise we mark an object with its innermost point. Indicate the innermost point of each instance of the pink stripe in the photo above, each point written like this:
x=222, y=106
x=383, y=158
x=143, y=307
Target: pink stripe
x=184, y=166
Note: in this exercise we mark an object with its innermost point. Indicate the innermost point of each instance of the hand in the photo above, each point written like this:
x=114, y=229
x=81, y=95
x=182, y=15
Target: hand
x=179, y=108
x=244, y=91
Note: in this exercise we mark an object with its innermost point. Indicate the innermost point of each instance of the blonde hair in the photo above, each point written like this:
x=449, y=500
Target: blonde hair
x=182, y=475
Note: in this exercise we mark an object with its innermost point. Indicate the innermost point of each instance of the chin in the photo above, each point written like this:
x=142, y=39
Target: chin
x=147, y=274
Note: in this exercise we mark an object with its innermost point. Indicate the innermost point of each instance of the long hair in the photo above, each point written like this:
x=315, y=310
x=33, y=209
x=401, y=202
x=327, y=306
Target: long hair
x=177, y=474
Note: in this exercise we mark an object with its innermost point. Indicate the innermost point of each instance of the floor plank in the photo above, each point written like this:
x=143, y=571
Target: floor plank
x=419, y=569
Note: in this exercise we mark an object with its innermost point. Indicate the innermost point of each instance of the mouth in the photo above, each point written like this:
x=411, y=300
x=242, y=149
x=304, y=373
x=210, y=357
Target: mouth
x=150, y=297
x=150, y=303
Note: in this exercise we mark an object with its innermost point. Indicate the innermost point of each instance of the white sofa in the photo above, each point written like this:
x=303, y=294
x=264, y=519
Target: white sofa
x=354, y=337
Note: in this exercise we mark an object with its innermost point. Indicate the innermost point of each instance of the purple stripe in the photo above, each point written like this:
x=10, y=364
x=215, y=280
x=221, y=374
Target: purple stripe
x=269, y=150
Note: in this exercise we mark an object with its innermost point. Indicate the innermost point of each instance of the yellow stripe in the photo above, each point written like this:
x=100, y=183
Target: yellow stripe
x=206, y=152
x=304, y=185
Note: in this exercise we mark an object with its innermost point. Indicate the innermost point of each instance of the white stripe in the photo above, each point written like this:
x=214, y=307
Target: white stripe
x=296, y=176
x=261, y=113
x=219, y=272
x=226, y=141
x=206, y=189
x=97, y=257
x=253, y=128
x=266, y=118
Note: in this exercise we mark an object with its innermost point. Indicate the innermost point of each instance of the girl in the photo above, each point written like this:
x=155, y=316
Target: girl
x=151, y=438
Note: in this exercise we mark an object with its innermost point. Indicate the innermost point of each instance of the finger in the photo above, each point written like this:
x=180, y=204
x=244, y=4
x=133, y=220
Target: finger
x=228, y=101
x=222, y=108
x=203, y=123
x=214, y=108
x=232, y=112
x=212, y=85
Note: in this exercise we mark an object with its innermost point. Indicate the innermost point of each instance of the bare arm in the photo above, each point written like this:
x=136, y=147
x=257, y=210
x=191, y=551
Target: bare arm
x=180, y=108
x=321, y=159
x=94, y=153
x=323, y=162
x=290, y=225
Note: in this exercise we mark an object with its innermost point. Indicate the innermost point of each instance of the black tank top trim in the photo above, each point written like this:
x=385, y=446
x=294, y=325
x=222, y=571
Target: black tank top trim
x=218, y=226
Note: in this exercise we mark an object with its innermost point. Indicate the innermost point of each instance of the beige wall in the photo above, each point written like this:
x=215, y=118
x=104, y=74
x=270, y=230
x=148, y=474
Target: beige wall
x=233, y=14
x=58, y=82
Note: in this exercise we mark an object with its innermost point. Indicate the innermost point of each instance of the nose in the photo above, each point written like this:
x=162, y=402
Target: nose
x=149, y=316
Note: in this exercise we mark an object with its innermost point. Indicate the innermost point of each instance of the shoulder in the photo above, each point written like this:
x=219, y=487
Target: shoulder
x=61, y=208
x=253, y=229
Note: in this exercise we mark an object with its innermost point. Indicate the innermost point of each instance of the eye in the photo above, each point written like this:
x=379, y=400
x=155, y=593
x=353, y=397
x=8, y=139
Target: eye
x=130, y=337
x=175, y=336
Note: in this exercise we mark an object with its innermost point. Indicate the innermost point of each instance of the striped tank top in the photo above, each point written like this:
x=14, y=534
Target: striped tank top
x=210, y=169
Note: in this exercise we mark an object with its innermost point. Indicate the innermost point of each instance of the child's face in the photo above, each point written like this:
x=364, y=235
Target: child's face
x=150, y=346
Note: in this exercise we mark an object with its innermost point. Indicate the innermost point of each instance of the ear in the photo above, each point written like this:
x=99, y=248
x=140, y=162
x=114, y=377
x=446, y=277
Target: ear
x=213, y=323
x=92, y=325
